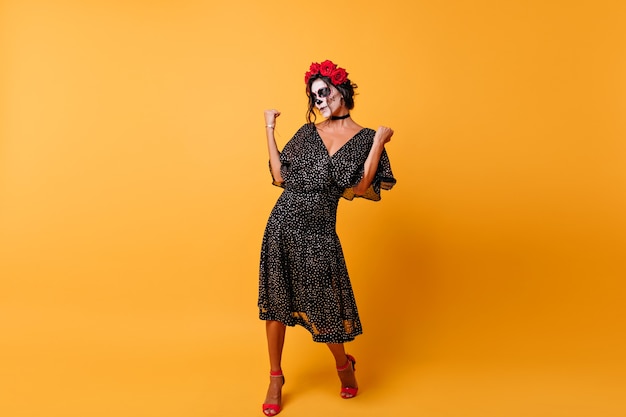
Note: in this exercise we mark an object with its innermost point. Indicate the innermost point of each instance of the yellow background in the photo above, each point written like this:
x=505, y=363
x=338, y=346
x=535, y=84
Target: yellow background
x=134, y=190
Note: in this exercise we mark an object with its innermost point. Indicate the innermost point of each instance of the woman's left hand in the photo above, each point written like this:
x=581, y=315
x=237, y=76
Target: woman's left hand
x=383, y=135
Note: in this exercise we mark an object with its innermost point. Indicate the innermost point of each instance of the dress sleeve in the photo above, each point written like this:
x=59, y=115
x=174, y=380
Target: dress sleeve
x=287, y=155
x=349, y=171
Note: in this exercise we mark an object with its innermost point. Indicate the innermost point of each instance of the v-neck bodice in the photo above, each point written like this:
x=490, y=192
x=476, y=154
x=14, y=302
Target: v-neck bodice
x=341, y=147
x=308, y=167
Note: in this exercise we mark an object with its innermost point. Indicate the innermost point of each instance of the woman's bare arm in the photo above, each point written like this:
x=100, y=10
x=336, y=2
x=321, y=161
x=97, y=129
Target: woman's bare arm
x=274, y=153
x=383, y=135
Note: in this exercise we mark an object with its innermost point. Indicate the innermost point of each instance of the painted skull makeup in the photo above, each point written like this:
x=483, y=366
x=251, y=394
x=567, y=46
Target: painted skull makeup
x=321, y=93
x=327, y=99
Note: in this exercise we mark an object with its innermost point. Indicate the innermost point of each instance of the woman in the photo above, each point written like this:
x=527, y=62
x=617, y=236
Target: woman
x=303, y=276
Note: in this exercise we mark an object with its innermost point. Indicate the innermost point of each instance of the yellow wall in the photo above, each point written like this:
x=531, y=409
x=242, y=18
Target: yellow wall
x=134, y=191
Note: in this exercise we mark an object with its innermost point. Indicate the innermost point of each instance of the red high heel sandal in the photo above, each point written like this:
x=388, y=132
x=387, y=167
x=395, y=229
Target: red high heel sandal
x=348, y=392
x=267, y=408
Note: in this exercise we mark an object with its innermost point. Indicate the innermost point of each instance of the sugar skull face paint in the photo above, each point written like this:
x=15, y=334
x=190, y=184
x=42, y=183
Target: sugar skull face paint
x=327, y=99
x=320, y=94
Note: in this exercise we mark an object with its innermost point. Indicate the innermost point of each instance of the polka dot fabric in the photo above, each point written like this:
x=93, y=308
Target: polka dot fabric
x=303, y=277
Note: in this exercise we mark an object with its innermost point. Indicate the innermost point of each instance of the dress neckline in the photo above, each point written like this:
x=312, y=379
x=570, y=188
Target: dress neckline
x=341, y=147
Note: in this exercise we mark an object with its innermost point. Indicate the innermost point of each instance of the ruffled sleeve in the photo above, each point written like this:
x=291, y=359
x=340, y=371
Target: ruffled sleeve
x=349, y=169
x=287, y=156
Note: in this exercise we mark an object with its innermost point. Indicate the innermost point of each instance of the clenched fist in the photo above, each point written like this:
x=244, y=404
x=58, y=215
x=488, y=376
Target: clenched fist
x=270, y=117
x=383, y=135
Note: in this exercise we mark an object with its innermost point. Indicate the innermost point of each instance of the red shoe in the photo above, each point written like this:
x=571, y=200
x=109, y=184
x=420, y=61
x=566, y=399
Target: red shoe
x=348, y=392
x=273, y=409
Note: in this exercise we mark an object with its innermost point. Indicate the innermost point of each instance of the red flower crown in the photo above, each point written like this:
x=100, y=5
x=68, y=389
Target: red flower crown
x=328, y=69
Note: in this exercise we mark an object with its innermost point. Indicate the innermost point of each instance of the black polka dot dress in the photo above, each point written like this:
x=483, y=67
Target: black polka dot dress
x=303, y=277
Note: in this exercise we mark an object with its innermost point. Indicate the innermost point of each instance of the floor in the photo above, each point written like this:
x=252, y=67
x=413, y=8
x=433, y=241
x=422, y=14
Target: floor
x=195, y=368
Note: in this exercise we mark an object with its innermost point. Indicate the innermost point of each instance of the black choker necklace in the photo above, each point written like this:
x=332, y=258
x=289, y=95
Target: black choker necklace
x=345, y=116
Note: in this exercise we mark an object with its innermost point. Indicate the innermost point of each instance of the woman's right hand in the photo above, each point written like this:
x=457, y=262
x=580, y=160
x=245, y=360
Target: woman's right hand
x=270, y=117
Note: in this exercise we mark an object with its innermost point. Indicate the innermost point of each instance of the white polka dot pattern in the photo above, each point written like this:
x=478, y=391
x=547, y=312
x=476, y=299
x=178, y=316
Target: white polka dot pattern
x=303, y=277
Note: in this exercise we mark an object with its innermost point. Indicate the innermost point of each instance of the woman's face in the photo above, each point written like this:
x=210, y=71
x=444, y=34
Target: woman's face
x=327, y=99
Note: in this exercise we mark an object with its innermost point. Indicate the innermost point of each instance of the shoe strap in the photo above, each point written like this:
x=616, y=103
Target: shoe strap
x=349, y=361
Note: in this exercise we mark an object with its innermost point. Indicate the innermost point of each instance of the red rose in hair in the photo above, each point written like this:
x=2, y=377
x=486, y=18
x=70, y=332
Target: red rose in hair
x=339, y=76
x=315, y=68
x=307, y=76
x=327, y=67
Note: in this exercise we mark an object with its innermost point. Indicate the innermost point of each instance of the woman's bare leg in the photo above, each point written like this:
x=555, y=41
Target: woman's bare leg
x=347, y=375
x=275, y=332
